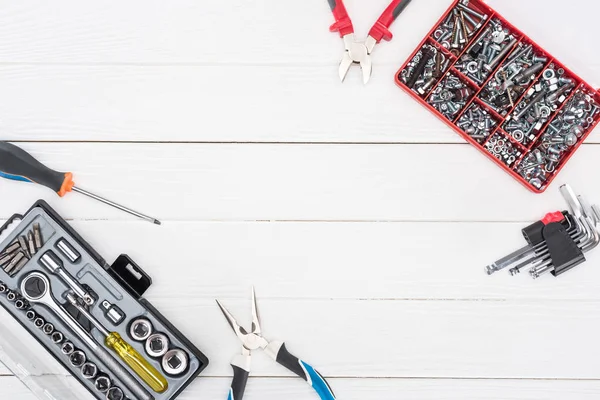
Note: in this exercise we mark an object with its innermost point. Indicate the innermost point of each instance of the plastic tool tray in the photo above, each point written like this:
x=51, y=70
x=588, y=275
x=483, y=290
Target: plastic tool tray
x=117, y=302
x=501, y=92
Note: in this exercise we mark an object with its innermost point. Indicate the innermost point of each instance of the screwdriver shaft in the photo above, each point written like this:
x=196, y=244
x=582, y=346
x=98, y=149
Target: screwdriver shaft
x=115, y=205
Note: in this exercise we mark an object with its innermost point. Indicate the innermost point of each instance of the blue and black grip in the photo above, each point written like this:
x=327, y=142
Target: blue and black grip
x=238, y=385
x=16, y=164
x=306, y=372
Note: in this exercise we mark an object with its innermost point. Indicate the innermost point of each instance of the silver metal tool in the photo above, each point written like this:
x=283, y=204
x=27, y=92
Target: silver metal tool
x=254, y=340
x=157, y=345
x=31, y=243
x=77, y=358
x=140, y=329
x=36, y=289
x=67, y=348
x=68, y=251
x=89, y=370
x=126, y=352
x=11, y=296
x=17, y=262
x=21, y=304
x=112, y=313
x=175, y=362
x=37, y=236
x=48, y=328
x=102, y=383
x=24, y=246
x=54, y=265
x=57, y=337
x=11, y=249
x=30, y=315
x=115, y=393
x=537, y=259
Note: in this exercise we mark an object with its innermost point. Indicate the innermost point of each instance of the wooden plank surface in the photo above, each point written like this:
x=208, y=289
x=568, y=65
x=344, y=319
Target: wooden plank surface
x=401, y=339
x=229, y=182
x=213, y=103
x=352, y=389
x=364, y=222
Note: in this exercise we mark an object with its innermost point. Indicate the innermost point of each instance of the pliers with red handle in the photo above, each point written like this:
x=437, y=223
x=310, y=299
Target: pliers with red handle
x=360, y=52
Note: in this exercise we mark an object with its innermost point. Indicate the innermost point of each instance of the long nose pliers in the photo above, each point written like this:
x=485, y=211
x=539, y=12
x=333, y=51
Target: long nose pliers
x=360, y=52
x=276, y=350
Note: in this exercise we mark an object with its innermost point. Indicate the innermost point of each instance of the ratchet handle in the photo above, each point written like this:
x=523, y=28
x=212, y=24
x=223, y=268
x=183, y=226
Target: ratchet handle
x=241, y=372
x=343, y=23
x=137, y=363
x=381, y=28
x=278, y=351
x=16, y=164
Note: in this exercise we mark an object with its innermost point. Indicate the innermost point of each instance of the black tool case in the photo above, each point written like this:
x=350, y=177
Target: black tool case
x=117, y=290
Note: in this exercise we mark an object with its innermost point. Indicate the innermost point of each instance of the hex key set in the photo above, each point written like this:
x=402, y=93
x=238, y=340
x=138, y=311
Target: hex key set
x=558, y=242
x=501, y=92
x=91, y=316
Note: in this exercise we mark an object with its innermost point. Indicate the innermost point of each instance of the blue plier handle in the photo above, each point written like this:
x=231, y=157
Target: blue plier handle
x=276, y=350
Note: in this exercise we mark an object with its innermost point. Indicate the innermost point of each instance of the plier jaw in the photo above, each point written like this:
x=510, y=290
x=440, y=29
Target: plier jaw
x=276, y=350
x=250, y=340
x=355, y=53
x=360, y=52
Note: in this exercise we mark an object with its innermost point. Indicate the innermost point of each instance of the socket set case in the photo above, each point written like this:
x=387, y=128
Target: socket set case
x=501, y=92
x=54, y=261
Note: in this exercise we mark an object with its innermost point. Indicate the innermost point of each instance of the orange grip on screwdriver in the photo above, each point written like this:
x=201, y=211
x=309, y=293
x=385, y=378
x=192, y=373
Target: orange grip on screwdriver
x=18, y=165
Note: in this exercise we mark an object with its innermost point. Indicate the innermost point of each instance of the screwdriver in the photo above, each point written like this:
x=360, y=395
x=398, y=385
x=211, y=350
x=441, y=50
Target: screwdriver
x=113, y=340
x=18, y=165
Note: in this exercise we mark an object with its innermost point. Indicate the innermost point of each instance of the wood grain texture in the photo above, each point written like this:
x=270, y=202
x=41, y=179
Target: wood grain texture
x=363, y=221
x=385, y=389
x=231, y=182
x=268, y=388
x=213, y=103
x=153, y=71
x=266, y=32
x=324, y=261
x=400, y=339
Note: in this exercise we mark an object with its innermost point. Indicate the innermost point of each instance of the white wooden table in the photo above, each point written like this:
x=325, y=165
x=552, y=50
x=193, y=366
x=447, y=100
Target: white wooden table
x=363, y=221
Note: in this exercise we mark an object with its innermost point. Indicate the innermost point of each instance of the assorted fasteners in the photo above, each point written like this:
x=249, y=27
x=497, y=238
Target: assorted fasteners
x=558, y=242
x=539, y=104
x=82, y=310
x=451, y=96
x=525, y=94
x=513, y=78
x=477, y=123
x=487, y=51
x=426, y=68
x=458, y=28
x=559, y=139
x=502, y=149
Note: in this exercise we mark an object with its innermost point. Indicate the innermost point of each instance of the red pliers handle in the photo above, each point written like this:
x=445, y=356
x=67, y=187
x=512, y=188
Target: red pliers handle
x=381, y=28
x=343, y=23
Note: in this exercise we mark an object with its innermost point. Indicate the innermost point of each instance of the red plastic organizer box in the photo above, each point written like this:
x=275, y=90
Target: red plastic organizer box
x=502, y=92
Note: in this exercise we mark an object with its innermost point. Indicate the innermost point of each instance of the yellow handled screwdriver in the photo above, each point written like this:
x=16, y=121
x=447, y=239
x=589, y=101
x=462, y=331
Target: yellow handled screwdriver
x=18, y=165
x=128, y=354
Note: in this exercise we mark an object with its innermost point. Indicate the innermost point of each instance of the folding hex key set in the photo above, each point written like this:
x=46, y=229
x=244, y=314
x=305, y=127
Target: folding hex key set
x=90, y=316
x=501, y=92
x=558, y=242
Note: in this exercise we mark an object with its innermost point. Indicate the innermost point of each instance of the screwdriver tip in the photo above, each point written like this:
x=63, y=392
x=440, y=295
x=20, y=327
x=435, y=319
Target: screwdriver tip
x=157, y=222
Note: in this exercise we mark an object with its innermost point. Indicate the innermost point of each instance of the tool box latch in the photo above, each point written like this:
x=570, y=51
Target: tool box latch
x=125, y=271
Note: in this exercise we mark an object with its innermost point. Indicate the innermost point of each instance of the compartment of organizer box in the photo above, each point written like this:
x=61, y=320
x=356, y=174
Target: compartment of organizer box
x=502, y=92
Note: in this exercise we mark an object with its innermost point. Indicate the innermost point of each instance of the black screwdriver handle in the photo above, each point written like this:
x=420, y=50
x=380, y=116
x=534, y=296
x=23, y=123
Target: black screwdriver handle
x=16, y=164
